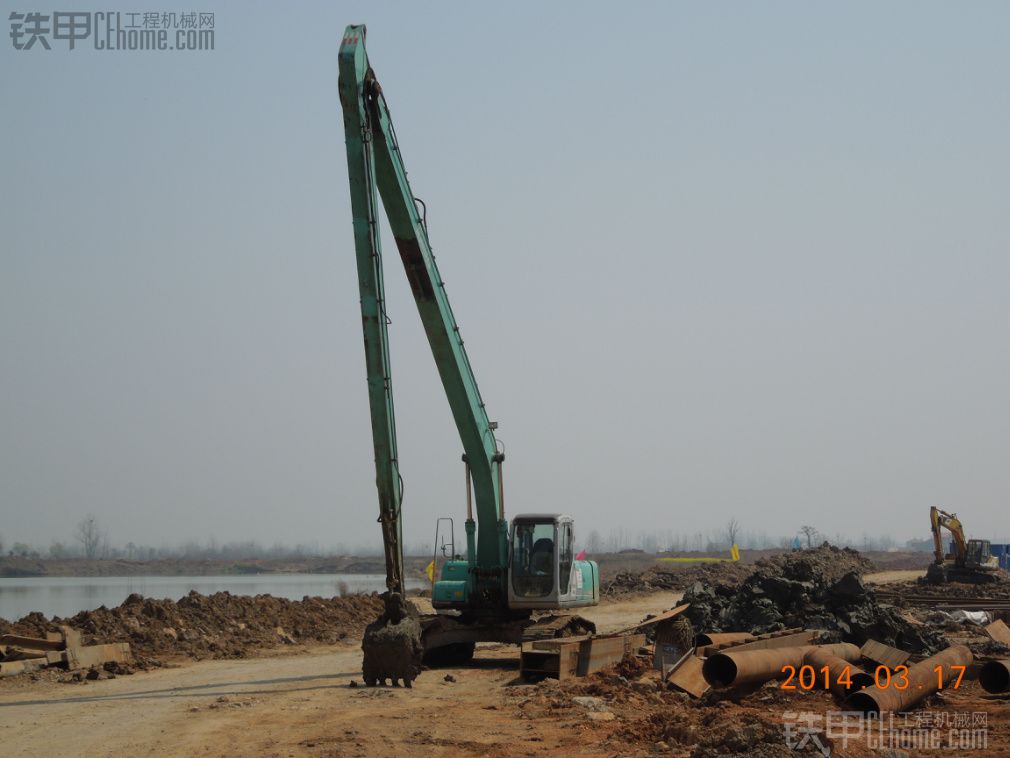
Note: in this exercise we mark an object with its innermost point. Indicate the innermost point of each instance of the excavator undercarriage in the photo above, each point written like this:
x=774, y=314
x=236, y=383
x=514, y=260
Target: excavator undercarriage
x=401, y=641
x=449, y=639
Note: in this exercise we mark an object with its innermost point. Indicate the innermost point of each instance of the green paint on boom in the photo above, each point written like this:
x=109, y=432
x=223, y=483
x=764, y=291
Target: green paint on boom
x=374, y=160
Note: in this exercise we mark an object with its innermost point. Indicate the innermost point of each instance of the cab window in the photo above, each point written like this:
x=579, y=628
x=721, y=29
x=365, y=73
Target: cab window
x=533, y=559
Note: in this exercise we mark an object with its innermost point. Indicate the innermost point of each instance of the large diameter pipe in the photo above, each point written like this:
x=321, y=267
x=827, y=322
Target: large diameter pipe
x=840, y=671
x=729, y=669
x=923, y=681
x=995, y=677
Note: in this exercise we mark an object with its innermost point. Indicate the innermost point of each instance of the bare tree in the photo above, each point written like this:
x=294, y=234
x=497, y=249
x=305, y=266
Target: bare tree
x=732, y=531
x=90, y=536
x=104, y=548
x=57, y=550
x=810, y=533
x=594, y=542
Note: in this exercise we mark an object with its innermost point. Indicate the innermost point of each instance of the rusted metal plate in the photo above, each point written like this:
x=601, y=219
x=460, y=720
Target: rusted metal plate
x=999, y=631
x=600, y=652
x=575, y=656
x=883, y=655
x=556, y=643
x=721, y=638
x=686, y=676
x=672, y=613
x=735, y=641
x=792, y=639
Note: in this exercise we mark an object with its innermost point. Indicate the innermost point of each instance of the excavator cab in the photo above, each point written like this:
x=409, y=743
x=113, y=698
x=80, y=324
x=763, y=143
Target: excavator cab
x=544, y=572
x=543, y=569
x=979, y=553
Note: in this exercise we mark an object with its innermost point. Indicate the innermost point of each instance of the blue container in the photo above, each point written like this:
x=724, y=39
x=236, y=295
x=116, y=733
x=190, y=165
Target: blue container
x=1003, y=553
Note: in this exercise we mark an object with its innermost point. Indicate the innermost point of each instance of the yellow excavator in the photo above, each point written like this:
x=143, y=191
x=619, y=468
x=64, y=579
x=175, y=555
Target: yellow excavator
x=972, y=560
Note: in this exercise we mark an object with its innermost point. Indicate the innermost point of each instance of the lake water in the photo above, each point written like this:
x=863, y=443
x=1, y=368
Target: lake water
x=65, y=596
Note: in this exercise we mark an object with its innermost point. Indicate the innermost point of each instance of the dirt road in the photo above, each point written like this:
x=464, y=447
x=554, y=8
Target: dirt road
x=302, y=704
x=891, y=577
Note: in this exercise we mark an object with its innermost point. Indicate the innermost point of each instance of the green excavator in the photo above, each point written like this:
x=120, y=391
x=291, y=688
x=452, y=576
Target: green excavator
x=516, y=581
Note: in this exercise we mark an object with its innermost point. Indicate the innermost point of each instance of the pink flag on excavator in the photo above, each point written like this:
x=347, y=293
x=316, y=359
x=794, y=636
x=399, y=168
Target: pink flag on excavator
x=581, y=556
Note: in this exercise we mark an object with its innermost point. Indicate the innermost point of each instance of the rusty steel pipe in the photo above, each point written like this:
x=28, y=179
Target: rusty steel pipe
x=838, y=669
x=729, y=669
x=995, y=677
x=923, y=681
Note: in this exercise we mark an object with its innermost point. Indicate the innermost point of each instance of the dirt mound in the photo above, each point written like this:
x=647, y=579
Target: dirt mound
x=713, y=733
x=821, y=588
x=643, y=716
x=221, y=625
x=631, y=666
x=670, y=577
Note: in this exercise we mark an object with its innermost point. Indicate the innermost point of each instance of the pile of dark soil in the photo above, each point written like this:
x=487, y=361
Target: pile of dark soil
x=820, y=588
x=673, y=577
x=221, y=625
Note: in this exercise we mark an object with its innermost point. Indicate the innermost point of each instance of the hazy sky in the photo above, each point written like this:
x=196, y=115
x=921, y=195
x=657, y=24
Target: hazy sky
x=710, y=260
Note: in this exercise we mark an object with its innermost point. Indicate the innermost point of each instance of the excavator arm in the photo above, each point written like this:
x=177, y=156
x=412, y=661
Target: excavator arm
x=375, y=165
x=360, y=145
x=939, y=518
x=489, y=607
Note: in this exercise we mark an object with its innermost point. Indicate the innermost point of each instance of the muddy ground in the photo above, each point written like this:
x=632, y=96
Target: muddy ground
x=304, y=697
x=299, y=701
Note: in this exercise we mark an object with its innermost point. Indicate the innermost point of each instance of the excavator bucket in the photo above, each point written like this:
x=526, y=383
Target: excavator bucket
x=392, y=644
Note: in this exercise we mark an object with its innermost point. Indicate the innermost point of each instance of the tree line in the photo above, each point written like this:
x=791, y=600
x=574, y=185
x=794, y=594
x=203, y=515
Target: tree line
x=91, y=542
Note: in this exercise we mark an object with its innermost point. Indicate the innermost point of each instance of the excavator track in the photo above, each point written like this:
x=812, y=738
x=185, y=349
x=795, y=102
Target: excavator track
x=448, y=640
x=553, y=626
